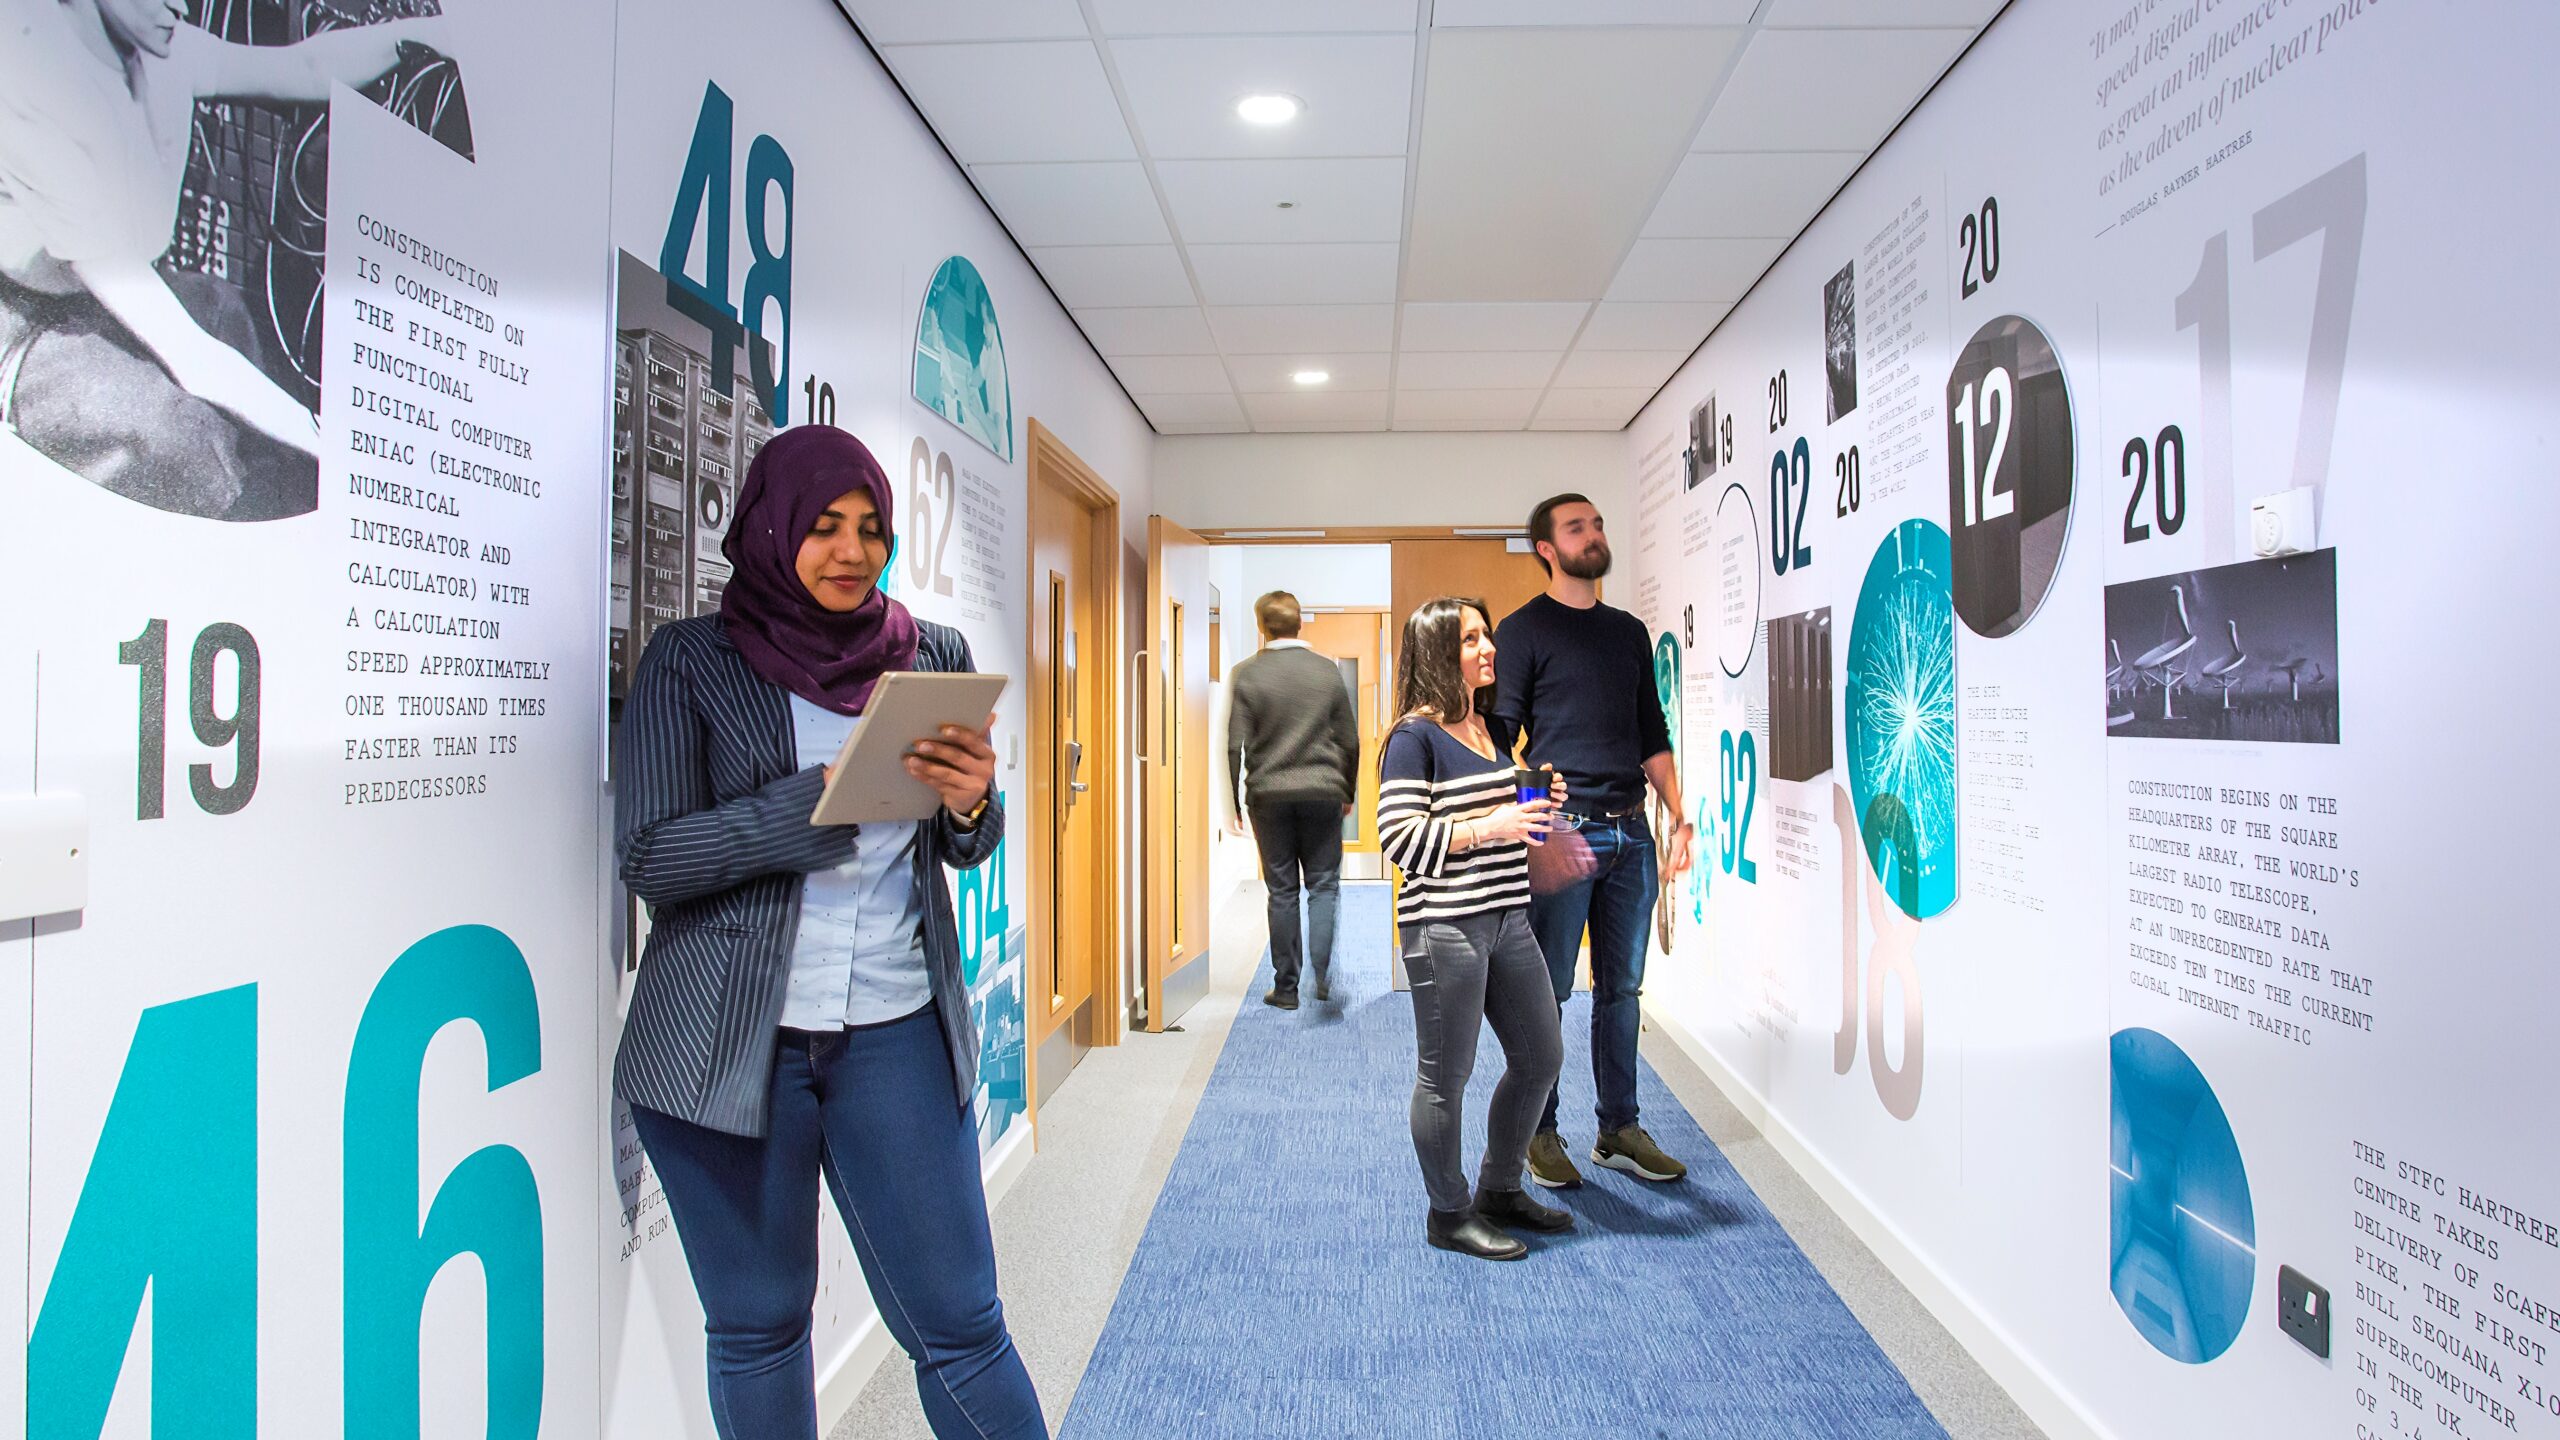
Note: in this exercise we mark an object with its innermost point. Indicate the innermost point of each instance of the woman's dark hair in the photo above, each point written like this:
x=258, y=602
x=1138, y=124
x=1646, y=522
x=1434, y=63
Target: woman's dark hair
x=1429, y=683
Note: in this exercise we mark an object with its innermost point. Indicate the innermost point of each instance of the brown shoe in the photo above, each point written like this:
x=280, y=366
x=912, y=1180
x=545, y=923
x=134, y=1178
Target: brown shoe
x=1547, y=1163
x=1632, y=1150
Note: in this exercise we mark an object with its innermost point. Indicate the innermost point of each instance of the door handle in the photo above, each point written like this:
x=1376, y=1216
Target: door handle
x=1075, y=767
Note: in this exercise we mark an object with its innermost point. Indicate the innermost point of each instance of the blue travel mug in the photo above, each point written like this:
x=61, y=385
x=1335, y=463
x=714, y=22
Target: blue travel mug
x=1533, y=785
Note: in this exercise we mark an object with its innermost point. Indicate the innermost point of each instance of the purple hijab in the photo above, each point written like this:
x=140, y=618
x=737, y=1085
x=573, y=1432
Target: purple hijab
x=787, y=637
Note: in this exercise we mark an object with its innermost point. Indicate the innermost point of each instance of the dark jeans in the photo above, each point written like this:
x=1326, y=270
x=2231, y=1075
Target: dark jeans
x=1465, y=972
x=872, y=1110
x=1300, y=837
x=1616, y=900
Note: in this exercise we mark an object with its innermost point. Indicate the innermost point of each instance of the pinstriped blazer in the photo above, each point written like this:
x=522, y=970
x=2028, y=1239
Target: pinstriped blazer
x=711, y=826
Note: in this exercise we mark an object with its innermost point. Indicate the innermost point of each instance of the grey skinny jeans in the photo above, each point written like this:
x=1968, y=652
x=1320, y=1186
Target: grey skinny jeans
x=1465, y=972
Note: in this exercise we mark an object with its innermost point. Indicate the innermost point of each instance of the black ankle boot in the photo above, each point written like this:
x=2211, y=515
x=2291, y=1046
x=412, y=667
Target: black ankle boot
x=1514, y=1207
x=1470, y=1234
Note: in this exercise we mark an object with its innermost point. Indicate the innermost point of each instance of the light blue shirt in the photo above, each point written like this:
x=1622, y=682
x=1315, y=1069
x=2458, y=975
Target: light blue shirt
x=859, y=956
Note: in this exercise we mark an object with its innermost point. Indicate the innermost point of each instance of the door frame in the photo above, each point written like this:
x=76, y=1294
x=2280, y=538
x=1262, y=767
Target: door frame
x=1051, y=462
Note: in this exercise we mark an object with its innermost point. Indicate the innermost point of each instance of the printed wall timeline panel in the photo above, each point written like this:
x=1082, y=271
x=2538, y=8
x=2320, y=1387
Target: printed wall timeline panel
x=2211, y=964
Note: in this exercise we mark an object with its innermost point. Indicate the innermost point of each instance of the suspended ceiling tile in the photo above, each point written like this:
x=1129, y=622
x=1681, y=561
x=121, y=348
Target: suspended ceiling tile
x=1826, y=89
x=1618, y=369
x=993, y=104
x=1540, y=325
x=1251, y=17
x=1154, y=330
x=1693, y=270
x=1650, y=325
x=1279, y=329
x=1543, y=423
x=1318, y=410
x=1543, y=152
x=1273, y=374
x=911, y=22
x=1081, y=204
x=1475, y=369
x=1615, y=406
x=1362, y=274
x=1240, y=201
x=1239, y=427
x=1450, y=14
x=1172, y=375
x=1165, y=410
x=1507, y=408
x=1730, y=193
x=1095, y=276
x=1784, y=14
x=1182, y=94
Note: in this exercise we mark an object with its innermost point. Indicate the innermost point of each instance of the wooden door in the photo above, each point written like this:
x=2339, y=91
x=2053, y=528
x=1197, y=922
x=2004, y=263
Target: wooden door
x=1070, y=991
x=1356, y=640
x=1178, y=761
x=1486, y=569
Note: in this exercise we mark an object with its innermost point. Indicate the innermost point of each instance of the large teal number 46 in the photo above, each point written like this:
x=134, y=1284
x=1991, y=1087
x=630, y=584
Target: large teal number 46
x=703, y=206
x=169, y=1208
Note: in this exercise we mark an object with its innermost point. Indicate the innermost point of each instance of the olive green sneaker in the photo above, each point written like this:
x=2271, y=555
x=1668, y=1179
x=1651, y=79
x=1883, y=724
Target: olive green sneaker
x=1547, y=1163
x=1632, y=1150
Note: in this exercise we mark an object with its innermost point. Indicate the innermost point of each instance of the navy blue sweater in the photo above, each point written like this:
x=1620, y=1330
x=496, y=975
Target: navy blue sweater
x=1579, y=684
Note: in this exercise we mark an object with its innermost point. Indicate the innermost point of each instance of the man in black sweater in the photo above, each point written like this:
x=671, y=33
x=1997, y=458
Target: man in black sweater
x=1292, y=737
x=1576, y=677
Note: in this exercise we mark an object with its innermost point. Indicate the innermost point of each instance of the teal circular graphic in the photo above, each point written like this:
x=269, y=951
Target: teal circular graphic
x=1666, y=684
x=2182, y=1252
x=1902, y=718
x=960, y=370
x=1666, y=689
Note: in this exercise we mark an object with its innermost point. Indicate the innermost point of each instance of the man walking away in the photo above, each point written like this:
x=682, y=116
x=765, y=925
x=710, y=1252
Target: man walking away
x=1293, y=760
x=1576, y=677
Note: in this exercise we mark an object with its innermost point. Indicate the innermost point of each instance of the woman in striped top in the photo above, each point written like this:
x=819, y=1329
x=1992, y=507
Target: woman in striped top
x=1449, y=821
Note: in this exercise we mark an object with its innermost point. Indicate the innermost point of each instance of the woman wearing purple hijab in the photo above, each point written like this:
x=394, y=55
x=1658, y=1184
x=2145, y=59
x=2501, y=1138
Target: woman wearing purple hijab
x=800, y=1012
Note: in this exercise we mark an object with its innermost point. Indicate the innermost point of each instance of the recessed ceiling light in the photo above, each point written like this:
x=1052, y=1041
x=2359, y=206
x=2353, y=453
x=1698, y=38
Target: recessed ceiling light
x=1269, y=109
x=1311, y=377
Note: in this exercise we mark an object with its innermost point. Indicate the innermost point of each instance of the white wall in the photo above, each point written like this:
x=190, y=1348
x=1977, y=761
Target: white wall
x=1391, y=478
x=2208, y=996
x=1336, y=577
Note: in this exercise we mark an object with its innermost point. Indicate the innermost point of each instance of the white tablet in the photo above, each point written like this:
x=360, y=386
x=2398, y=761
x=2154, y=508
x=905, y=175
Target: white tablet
x=870, y=782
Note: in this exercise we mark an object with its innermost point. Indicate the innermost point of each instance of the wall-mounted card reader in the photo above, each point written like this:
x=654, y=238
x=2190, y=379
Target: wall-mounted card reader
x=44, y=855
x=2302, y=1310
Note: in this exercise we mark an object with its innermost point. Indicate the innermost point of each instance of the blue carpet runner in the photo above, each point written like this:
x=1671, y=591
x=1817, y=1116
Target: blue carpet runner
x=1283, y=1288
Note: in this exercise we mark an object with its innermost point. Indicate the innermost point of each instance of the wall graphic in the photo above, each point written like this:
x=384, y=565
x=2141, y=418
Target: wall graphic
x=479, y=319
x=2068, y=827
x=960, y=370
x=322, y=1042
x=1900, y=697
x=2182, y=1235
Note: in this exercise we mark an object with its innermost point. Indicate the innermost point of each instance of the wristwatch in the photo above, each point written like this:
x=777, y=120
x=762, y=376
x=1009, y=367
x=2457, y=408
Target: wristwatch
x=976, y=813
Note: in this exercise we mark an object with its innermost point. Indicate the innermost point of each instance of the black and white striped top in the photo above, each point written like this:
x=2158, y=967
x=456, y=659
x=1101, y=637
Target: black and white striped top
x=1429, y=784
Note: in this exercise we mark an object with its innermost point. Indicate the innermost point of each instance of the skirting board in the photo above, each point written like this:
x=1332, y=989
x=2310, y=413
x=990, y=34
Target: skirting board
x=2046, y=1403
x=842, y=1383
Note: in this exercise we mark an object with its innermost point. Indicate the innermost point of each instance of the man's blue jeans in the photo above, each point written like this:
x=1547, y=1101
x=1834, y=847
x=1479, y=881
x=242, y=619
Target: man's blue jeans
x=872, y=1109
x=1616, y=901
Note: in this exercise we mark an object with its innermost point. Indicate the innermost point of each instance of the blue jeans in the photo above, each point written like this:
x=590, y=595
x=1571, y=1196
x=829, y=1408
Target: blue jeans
x=871, y=1109
x=1616, y=901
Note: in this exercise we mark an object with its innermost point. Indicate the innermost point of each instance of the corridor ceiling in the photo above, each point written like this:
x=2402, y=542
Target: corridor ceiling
x=1490, y=214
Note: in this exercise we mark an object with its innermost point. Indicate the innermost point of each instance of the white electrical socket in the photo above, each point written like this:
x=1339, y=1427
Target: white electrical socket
x=44, y=855
x=2284, y=523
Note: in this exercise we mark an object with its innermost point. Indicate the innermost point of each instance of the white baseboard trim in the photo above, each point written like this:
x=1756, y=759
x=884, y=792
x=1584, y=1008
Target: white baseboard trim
x=842, y=1383
x=2034, y=1389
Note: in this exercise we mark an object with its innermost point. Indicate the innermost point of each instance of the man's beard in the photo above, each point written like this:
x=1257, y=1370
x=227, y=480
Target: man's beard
x=1590, y=563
